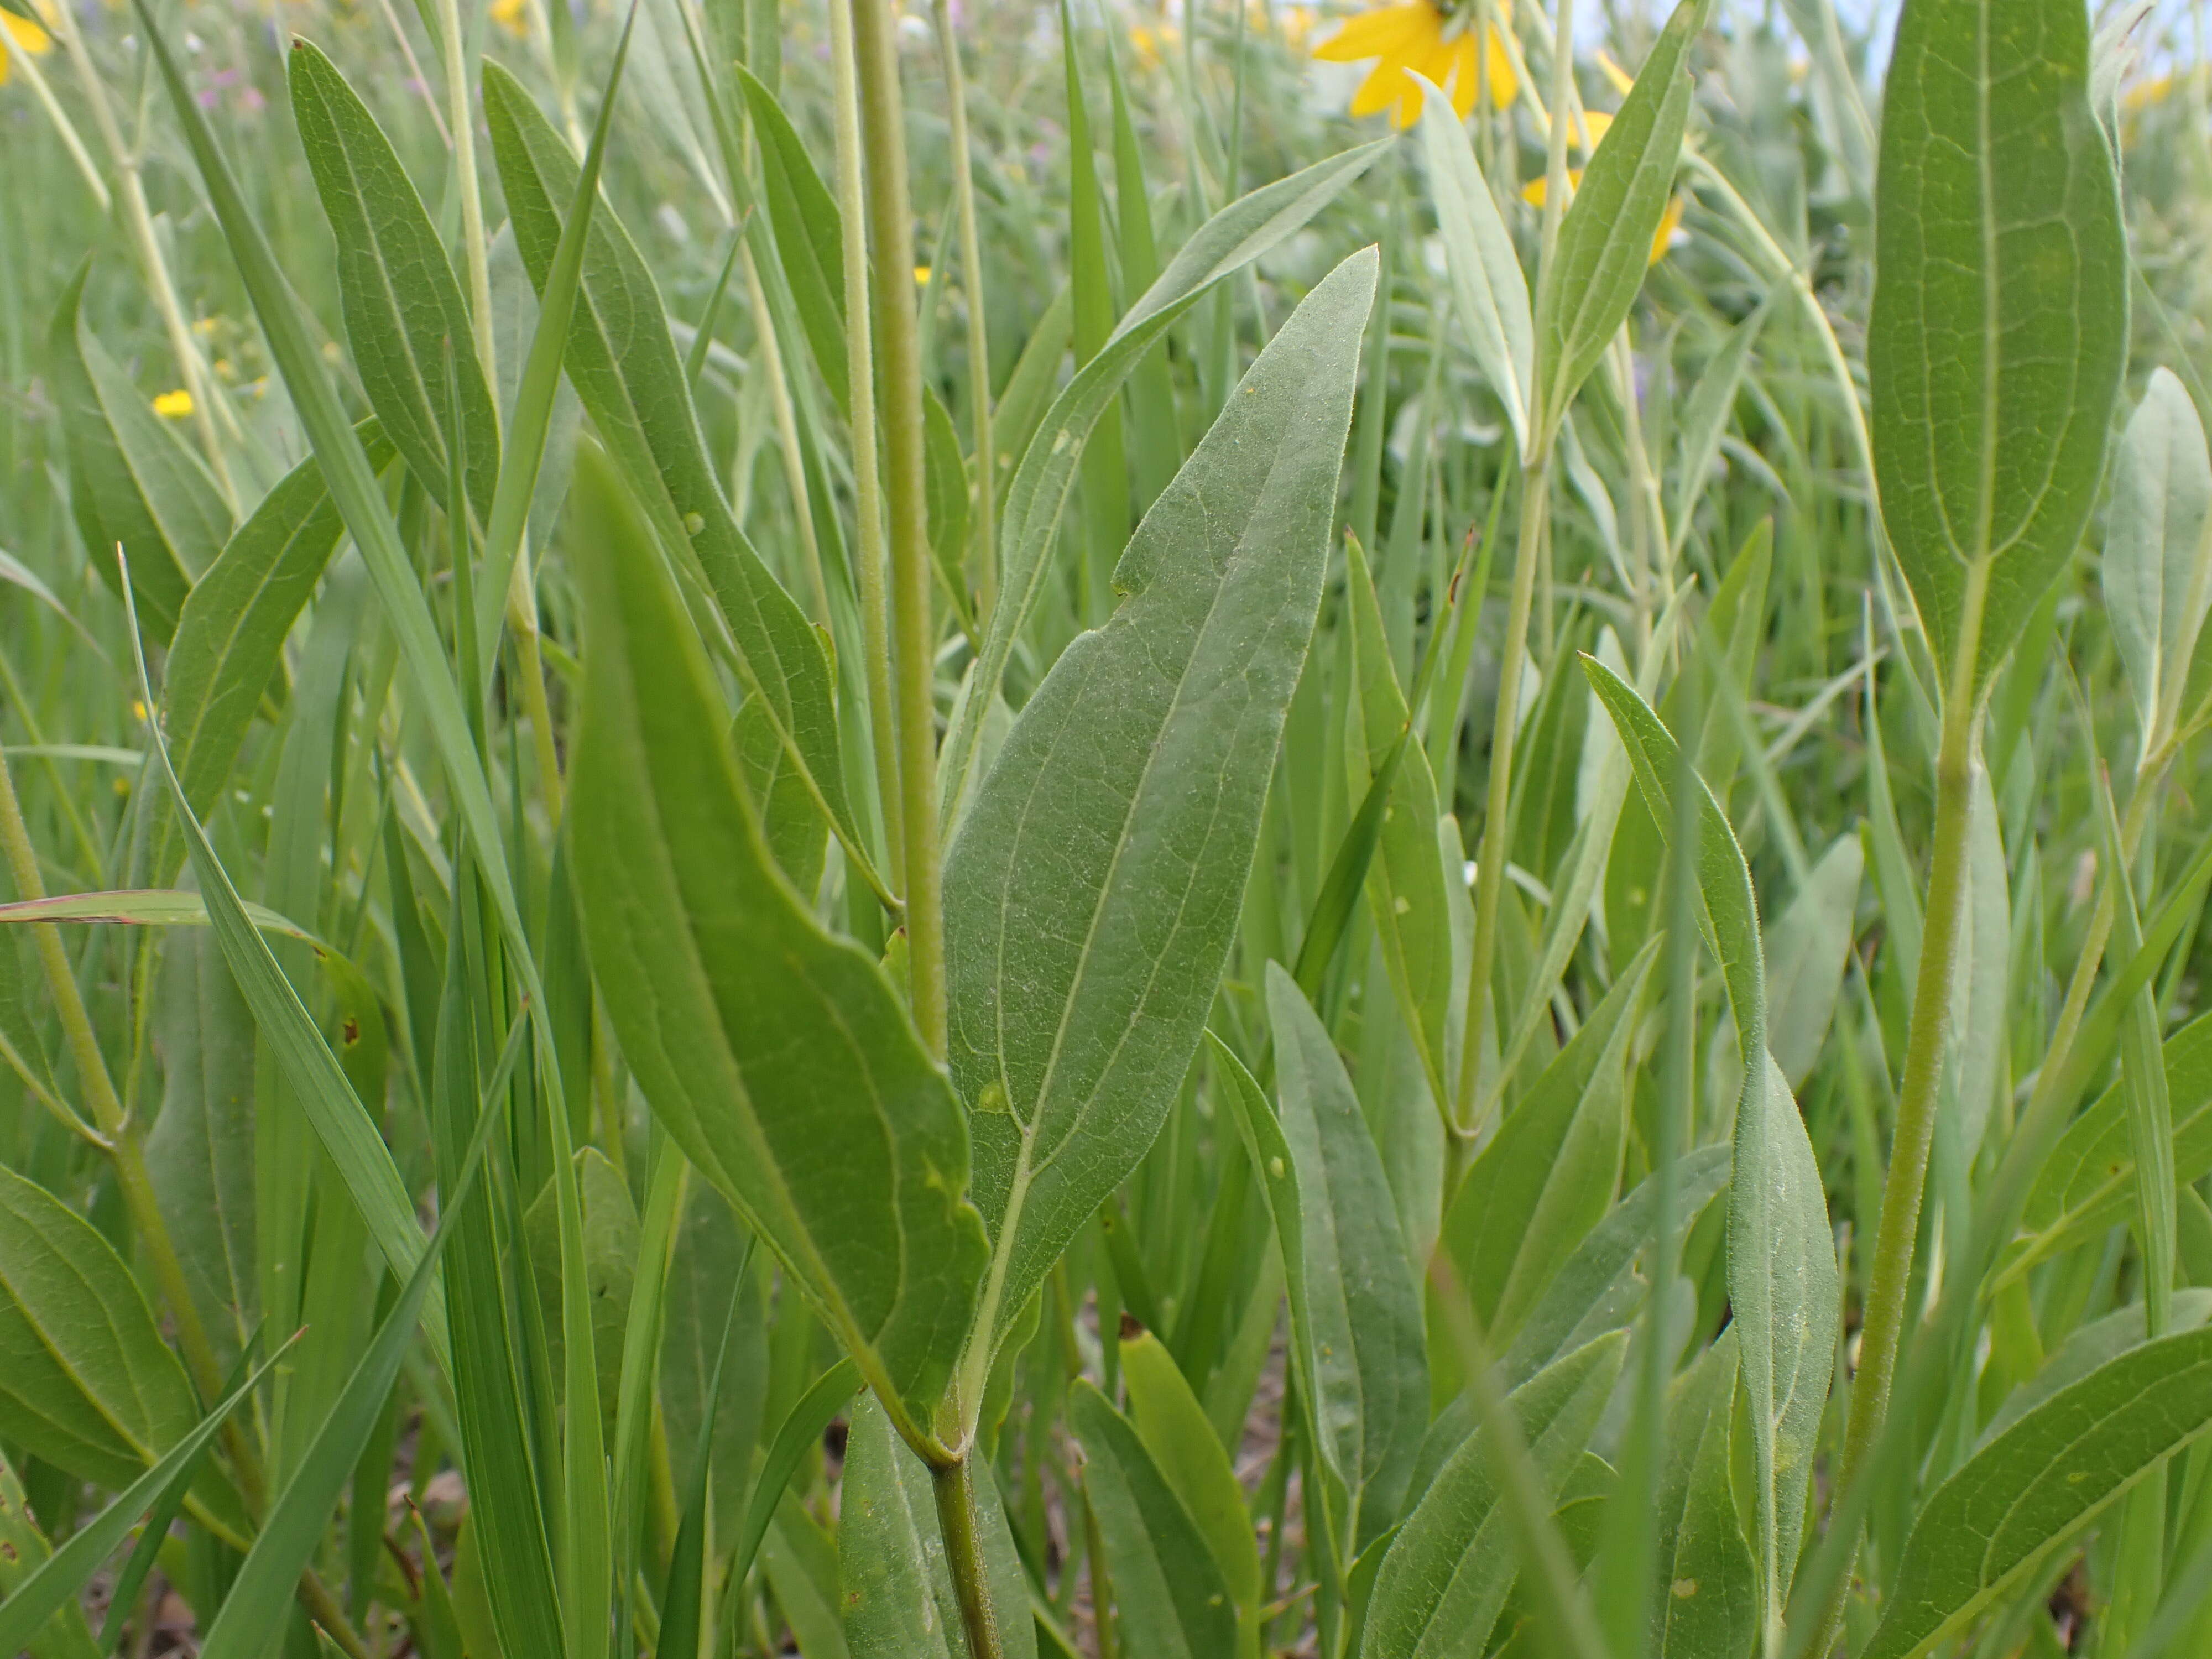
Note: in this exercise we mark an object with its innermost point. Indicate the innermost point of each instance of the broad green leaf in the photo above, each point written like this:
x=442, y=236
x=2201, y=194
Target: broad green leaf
x=65, y=1635
x=1606, y=236
x=778, y=1054
x=1445, y=1579
x=199, y=1154
x=2088, y=1182
x=58, y=1581
x=2155, y=546
x=810, y=238
x=1191, y=1458
x=622, y=360
x=230, y=634
x=86, y=1377
x=2000, y=322
x=1489, y=293
x=405, y=320
x=611, y=1235
x=1406, y=891
x=1708, y=1601
x=1029, y=525
x=1548, y=1175
x=1169, y=1595
x=132, y=480
x=1091, y=892
x=2038, y=1481
x=898, y=1600
x=1368, y=1370
x=797, y=832
x=1786, y=1305
x=1806, y=951
x=2089, y=1346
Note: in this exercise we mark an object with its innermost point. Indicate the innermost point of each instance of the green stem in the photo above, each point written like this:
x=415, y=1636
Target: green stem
x=955, y=1486
x=891, y=222
x=979, y=330
x=867, y=486
x=461, y=124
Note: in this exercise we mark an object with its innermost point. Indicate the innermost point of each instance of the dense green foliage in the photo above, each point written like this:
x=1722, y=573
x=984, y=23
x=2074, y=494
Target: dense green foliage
x=946, y=837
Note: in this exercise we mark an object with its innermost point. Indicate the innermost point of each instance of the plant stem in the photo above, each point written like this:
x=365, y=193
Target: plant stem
x=979, y=330
x=954, y=1484
x=461, y=124
x=867, y=486
x=891, y=222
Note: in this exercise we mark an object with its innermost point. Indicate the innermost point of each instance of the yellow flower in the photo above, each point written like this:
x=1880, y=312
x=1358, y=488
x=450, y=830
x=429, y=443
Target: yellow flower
x=921, y=276
x=174, y=405
x=1152, y=45
x=514, y=16
x=1670, y=221
x=23, y=36
x=1432, y=38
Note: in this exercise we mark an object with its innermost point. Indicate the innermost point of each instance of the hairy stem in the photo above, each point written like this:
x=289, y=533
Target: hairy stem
x=890, y=225
x=954, y=1484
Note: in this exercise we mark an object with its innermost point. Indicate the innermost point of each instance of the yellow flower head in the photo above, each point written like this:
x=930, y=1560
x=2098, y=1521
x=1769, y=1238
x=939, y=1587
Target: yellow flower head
x=1153, y=44
x=1432, y=38
x=514, y=16
x=24, y=36
x=174, y=405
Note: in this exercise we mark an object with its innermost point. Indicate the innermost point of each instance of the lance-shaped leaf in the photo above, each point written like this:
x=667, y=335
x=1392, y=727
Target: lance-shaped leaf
x=1222, y=245
x=1782, y=1263
x=778, y=1054
x=1445, y=1580
x=1169, y=1592
x=622, y=360
x=131, y=480
x=809, y=237
x=413, y=345
x=2040, y=1479
x=230, y=634
x=1368, y=1375
x=1708, y=1601
x=2155, y=546
x=1605, y=237
x=1093, y=889
x=1488, y=291
x=2000, y=321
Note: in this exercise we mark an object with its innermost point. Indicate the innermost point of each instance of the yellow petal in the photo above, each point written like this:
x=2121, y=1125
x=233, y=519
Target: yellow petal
x=1466, y=73
x=1386, y=83
x=25, y=34
x=1669, y=222
x=1595, y=124
x=1505, y=85
x=1380, y=33
x=1620, y=77
x=174, y=405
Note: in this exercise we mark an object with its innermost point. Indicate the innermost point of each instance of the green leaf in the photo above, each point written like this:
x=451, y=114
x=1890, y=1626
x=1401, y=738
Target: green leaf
x=1191, y=1458
x=797, y=832
x=809, y=237
x=779, y=1055
x=1028, y=527
x=945, y=481
x=58, y=1581
x=1489, y=294
x=1605, y=239
x=800, y=1433
x=1091, y=892
x=711, y=1253
x=132, y=480
x=1169, y=1595
x=1548, y=1175
x=1368, y=1373
x=88, y=1378
x=2039, y=1480
x=1708, y=1603
x=1806, y=951
x=898, y=1600
x=622, y=360
x=1999, y=329
x=199, y=1155
x=65, y=1635
x=610, y=1263
x=2089, y=1346
x=1446, y=1577
x=1406, y=883
x=2154, y=544
x=1782, y=1289
x=405, y=320
x=230, y=634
